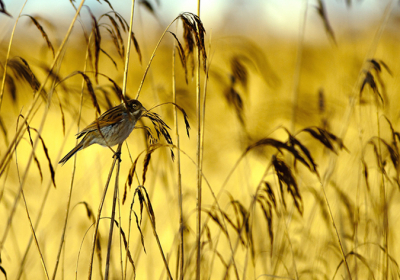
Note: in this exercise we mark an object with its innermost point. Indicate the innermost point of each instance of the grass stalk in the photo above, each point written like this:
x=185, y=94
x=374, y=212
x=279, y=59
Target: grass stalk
x=128, y=50
x=152, y=57
x=198, y=154
x=19, y=134
x=106, y=275
x=73, y=170
x=38, y=219
x=96, y=229
x=323, y=184
x=181, y=259
x=34, y=237
x=3, y=81
x=31, y=225
x=346, y=122
x=385, y=264
x=251, y=207
x=297, y=71
x=153, y=226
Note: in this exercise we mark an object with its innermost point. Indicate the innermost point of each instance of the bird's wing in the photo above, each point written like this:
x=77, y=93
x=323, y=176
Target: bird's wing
x=110, y=117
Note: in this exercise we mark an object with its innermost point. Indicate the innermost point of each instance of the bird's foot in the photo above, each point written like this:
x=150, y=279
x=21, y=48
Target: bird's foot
x=117, y=155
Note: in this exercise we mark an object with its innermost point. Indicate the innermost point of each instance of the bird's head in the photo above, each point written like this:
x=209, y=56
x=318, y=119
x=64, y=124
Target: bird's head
x=135, y=108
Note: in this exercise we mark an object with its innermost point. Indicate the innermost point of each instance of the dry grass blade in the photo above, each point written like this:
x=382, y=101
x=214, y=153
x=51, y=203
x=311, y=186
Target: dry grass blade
x=323, y=15
x=97, y=42
x=348, y=205
x=150, y=207
x=235, y=100
x=386, y=67
x=110, y=57
x=326, y=138
x=115, y=41
x=279, y=146
x=117, y=88
x=12, y=89
x=285, y=177
x=393, y=153
x=395, y=135
x=365, y=172
x=370, y=80
x=208, y=236
x=361, y=258
x=62, y=117
x=125, y=27
x=137, y=48
x=22, y=71
x=122, y=21
x=3, y=271
x=194, y=36
x=375, y=65
x=140, y=231
x=266, y=209
x=214, y=216
x=321, y=101
x=148, y=6
x=161, y=128
x=120, y=43
x=89, y=87
x=157, y=118
x=130, y=178
x=91, y=91
x=147, y=158
x=38, y=166
x=294, y=142
x=40, y=28
x=132, y=172
x=89, y=211
x=182, y=55
x=46, y=152
x=379, y=161
x=239, y=71
x=126, y=243
x=28, y=129
x=109, y=4
x=3, y=9
x=4, y=130
x=141, y=202
x=244, y=218
x=185, y=117
x=147, y=162
x=99, y=255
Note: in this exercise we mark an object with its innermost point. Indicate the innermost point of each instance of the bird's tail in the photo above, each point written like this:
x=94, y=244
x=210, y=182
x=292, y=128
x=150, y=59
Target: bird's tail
x=72, y=152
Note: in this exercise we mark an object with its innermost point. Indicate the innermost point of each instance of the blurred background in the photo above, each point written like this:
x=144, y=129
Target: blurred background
x=270, y=65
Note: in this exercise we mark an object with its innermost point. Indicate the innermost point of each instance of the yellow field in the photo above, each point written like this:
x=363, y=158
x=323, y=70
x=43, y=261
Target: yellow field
x=298, y=146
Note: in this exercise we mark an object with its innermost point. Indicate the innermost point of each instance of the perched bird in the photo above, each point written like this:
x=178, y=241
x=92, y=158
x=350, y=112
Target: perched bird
x=115, y=126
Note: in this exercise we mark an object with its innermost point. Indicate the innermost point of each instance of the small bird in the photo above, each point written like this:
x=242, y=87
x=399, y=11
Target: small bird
x=115, y=125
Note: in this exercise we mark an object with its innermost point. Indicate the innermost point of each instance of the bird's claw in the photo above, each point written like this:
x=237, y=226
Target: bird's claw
x=117, y=155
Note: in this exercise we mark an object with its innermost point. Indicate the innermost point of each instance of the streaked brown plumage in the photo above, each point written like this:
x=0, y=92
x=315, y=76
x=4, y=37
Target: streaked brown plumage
x=115, y=125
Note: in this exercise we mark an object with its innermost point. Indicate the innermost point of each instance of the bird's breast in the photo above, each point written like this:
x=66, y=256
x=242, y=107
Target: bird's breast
x=116, y=133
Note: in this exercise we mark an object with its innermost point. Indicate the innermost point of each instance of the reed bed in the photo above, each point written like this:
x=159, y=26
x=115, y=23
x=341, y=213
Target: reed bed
x=258, y=157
